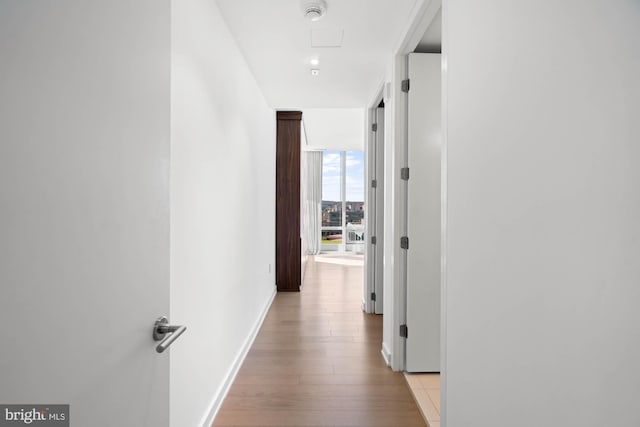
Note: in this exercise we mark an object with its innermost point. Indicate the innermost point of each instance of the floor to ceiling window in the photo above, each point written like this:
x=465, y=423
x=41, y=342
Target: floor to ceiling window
x=343, y=201
x=354, y=200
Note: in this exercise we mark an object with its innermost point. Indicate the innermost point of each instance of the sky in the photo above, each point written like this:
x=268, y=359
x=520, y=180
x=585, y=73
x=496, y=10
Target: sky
x=354, y=176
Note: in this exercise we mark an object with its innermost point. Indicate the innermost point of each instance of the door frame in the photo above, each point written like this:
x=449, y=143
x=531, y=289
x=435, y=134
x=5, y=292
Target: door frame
x=396, y=158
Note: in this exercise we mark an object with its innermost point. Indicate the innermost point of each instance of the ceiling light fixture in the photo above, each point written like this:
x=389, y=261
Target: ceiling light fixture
x=314, y=10
x=315, y=72
x=314, y=61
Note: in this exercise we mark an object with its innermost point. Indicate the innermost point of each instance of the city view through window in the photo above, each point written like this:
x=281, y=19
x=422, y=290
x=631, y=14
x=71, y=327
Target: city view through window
x=342, y=197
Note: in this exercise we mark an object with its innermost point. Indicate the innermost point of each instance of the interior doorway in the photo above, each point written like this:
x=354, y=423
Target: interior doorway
x=334, y=187
x=374, y=218
x=423, y=338
x=374, y=290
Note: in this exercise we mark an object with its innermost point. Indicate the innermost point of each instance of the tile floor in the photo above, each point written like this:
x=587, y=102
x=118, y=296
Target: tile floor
x=426, y=391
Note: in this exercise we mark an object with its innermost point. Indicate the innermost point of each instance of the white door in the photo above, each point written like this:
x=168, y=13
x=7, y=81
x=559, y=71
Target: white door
x=423, y=256
x=84, y=208
x=378, y=205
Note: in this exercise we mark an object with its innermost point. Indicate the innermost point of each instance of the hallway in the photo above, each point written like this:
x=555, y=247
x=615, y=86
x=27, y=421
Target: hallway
x=317, y=361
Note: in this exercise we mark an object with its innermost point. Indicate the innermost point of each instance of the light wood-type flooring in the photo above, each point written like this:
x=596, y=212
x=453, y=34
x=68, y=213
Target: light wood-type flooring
x=316, y=361
x=426, y=391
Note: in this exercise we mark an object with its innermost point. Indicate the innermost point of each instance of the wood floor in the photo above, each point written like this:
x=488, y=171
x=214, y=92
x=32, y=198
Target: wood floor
x=317, y=361
x=426, y=391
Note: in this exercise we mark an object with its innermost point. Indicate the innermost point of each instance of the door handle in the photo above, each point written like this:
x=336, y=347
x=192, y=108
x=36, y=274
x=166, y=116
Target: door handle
x=163, y=331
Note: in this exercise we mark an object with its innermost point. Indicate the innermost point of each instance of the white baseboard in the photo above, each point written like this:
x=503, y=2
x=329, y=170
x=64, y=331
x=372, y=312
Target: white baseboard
x=222, y=391
x=386, y=354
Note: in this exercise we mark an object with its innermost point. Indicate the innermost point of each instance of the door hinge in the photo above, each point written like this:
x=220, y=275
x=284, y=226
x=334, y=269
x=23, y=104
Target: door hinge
x=404, y=174
x=374, y=240
x=404, y=242
x=374, y=183
x=405, y=85
x=404, y=331
x=374, y=127
x=373, y=296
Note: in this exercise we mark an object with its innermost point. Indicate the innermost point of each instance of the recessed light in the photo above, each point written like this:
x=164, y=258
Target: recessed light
x=315, y=72
x=314, y=61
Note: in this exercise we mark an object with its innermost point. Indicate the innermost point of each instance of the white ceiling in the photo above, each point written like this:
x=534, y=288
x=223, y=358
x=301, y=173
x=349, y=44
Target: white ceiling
x=276, y=41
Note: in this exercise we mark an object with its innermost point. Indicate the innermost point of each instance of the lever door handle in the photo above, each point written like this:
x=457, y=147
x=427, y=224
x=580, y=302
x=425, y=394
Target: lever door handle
x=163, y=331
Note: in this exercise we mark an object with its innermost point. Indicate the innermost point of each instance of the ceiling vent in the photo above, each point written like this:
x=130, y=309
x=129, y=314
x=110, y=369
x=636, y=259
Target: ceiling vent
x=314, y=10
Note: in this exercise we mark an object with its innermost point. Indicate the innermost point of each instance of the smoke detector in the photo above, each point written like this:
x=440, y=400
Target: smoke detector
x=314, y=10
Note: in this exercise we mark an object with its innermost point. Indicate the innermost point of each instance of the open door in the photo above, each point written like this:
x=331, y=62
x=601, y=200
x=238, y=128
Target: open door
x=84, y=235
x=374, y=291
x=423, y=214
x=378, y=205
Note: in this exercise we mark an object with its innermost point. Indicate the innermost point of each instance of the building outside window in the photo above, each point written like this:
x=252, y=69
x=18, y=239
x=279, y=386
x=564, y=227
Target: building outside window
x=343, y=201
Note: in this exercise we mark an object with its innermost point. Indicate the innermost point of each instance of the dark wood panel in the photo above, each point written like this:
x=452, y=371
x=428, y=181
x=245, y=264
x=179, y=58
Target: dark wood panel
x=289, y=115
x=288, y=269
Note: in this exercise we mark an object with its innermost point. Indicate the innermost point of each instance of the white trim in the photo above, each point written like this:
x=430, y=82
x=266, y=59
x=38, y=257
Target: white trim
x=398, y=160
x=386, y=354
x=221, y=393
x=421, y=18
x=380, y=95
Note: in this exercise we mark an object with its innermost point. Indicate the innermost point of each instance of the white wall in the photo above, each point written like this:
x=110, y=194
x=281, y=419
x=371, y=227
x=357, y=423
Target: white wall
x=334, y=128
x=543, y=201
x=222, y=207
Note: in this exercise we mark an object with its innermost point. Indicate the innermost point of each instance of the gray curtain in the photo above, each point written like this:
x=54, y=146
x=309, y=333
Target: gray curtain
x=314, y=201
